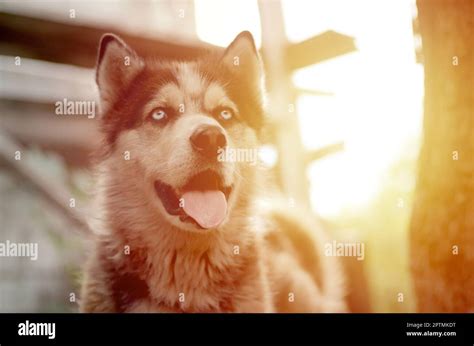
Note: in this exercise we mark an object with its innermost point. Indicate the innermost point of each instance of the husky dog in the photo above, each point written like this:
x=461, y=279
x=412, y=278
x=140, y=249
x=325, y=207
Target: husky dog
x=176, y=229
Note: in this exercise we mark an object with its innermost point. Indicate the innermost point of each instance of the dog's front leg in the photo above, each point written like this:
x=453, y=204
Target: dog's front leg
x=255, y=295
x=147, y=305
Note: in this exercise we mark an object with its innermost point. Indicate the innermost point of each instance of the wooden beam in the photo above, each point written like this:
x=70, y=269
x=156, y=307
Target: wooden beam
x=316, y=49
x=45, y=82
x=77, y=44
x=312, y=92
x=74, y=137
x=318, y=154
x=53, y=193
x=27, y=107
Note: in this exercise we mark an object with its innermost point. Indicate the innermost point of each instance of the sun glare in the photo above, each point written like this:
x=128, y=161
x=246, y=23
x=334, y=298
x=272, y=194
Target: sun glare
x=218, y=22
x=377, y=104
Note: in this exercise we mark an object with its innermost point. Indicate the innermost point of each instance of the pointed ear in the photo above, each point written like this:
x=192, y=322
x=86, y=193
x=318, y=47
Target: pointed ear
x=117, y=64
x=243, y=54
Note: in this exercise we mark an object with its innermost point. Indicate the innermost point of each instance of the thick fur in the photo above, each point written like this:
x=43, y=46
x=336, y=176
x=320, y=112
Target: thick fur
x=260, y=259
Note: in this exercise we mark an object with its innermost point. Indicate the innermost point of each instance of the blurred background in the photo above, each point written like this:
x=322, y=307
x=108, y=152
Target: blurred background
x=345, y=84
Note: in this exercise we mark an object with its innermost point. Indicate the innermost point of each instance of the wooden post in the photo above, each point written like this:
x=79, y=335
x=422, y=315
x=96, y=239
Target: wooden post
x=282, y=108
x=442, y=224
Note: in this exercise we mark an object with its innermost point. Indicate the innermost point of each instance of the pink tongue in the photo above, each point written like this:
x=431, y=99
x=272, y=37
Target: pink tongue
x=208, y=208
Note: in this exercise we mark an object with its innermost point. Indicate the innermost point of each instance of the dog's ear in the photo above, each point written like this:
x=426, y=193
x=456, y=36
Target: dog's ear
x=242, y=54
x=116, y=65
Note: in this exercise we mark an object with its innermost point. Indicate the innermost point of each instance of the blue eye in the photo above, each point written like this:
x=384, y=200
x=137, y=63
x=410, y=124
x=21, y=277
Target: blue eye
x=226, y=113
x=159, y=114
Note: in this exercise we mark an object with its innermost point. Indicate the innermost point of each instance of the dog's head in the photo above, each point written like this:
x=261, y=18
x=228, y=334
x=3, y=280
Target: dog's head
x=186, y=130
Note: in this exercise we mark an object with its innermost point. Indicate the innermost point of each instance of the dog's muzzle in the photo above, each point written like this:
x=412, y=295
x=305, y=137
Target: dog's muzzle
x=207, y=139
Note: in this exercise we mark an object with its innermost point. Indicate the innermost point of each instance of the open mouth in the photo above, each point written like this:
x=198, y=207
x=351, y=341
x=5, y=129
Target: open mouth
x=201, y=201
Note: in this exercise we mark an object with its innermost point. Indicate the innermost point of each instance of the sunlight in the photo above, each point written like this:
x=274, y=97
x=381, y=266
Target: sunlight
x=377, y=104
x=230, y=17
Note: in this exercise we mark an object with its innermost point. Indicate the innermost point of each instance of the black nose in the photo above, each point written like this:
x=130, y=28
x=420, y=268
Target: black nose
x=207, y=140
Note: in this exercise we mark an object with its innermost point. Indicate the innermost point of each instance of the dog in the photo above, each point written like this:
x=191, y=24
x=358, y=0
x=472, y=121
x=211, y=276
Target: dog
x=176, y=229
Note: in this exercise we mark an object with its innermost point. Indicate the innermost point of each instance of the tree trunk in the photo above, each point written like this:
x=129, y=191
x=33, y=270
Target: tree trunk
x=442, y=225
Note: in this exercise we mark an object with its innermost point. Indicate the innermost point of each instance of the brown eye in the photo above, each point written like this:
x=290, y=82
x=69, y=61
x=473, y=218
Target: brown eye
x=159, y=114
